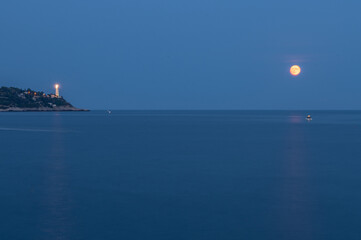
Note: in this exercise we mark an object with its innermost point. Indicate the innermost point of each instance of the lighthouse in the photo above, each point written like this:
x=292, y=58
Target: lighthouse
x=57, y=90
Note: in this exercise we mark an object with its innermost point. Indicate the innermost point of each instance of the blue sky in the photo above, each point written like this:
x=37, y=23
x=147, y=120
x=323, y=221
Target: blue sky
x=185, y=54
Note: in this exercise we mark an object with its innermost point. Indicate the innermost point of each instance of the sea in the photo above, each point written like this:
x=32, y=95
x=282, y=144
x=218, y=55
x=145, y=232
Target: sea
x=180, y=175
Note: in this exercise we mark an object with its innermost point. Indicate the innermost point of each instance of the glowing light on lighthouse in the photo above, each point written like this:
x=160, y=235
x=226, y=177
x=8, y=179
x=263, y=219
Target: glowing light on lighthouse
x=57, y=90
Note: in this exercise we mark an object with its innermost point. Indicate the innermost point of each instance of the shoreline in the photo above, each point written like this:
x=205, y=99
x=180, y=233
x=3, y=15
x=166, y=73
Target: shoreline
x=58, y=109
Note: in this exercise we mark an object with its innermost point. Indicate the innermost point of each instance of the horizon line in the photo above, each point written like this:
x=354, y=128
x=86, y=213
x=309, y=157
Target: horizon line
x=107, y=109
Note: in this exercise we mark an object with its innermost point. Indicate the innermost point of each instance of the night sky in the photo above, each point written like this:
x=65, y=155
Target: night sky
x=185, y=54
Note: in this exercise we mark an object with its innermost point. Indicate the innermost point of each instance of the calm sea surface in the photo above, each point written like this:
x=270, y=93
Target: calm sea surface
x=180, y=175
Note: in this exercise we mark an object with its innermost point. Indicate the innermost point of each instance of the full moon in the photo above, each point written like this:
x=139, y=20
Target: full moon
x=295, y=70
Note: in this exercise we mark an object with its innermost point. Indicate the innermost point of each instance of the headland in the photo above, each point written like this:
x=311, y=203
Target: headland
x=14, y=99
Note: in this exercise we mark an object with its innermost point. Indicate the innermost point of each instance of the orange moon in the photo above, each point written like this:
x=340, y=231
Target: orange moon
x=295, y=70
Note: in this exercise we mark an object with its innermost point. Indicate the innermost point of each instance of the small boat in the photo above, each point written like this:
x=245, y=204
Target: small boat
x=309, y=118
x=109, y=112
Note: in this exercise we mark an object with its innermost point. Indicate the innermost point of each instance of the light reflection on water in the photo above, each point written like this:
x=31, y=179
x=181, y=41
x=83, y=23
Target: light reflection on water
x=295, y=214
x=56, y=222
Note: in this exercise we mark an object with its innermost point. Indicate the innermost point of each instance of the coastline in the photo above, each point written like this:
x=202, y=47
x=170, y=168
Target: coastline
x=44, y=109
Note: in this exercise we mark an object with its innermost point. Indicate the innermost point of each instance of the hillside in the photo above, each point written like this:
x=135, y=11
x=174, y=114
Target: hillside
x=16, y=99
